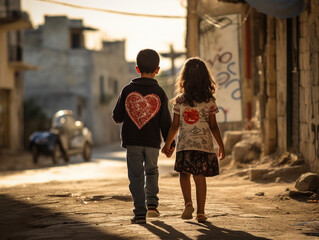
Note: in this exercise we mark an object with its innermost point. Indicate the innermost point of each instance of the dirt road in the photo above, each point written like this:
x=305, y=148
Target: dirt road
x=101, y=209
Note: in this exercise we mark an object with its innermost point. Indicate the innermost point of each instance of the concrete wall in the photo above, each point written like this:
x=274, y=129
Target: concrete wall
x=309, y=84
x=71, y=78
x=270, y=122
x=63, y=78
x=16, y=138
x=281, y=83
x=6, y=73
x=56, y=33
x=214, y=9
x=11, y=81
x=273, y=52
x=308, y=96
x=60, y=73
x=109, y=64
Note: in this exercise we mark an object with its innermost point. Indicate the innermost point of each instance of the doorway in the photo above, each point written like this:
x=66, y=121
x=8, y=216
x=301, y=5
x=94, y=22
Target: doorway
x=4, y=119
x=292, y=85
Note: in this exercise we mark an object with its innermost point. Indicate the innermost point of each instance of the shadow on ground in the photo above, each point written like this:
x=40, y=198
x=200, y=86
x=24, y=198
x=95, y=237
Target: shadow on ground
x=206, y=231
x=20, y=220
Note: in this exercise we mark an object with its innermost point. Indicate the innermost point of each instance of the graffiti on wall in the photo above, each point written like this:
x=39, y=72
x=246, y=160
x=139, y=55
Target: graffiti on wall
x=219, y=47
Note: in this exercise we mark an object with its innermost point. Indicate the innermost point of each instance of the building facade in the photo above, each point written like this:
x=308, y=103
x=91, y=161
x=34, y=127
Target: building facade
x=72, y=77
x=12, y=22
x=217, y=33
x=280, y=60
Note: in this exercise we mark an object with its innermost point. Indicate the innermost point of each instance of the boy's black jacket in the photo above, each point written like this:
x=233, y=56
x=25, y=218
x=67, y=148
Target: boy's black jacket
x=150, y=134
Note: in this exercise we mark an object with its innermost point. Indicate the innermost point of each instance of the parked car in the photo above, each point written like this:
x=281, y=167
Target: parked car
x=66, y=137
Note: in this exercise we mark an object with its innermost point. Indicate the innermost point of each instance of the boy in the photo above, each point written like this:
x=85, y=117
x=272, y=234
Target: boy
x=142, y=107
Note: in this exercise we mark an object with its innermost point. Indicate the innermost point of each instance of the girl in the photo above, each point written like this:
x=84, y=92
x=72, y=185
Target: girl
x=194, y=116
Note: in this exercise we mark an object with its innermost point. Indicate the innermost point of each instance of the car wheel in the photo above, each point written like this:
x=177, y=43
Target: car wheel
x=35, y=154
x=87, y=152
x=56, y=153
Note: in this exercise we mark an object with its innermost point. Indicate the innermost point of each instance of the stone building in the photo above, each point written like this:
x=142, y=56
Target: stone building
x=216, y=32
x=280, y=59
x=70, y=76
x=12, y=22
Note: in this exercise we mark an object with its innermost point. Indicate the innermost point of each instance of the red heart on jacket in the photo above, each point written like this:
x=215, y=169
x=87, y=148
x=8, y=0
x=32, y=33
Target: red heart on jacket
x=142, y=109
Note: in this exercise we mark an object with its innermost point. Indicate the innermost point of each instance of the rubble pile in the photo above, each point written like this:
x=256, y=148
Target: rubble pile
x=244, y=150
x=243, y=146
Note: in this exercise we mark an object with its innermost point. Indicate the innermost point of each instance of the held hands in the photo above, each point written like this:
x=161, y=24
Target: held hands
x=168, y=150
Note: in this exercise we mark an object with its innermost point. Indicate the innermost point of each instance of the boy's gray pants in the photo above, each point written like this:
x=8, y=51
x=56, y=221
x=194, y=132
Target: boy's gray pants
x=143, y=175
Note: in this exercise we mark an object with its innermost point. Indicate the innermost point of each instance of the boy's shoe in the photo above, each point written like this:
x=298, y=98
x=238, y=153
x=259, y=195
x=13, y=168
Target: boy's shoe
x=138, y=220
x=152, y=212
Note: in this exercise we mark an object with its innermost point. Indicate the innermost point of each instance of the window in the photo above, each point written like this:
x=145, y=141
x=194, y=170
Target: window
x=4, y=119
x=75, y=40
x=115, y=87
x=102, y=90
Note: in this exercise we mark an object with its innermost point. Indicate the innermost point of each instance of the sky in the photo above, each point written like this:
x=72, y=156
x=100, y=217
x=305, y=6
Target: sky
x=139, y=32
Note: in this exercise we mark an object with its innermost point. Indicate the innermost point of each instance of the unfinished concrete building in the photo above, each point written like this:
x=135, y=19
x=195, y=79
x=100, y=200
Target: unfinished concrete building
x=73, y=77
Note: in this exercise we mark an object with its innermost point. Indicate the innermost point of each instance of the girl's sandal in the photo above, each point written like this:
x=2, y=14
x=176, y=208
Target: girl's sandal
x=201, y=218
x=188, y=211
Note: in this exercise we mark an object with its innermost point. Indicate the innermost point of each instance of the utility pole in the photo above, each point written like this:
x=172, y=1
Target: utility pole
x=172, y=55
x=192, y=42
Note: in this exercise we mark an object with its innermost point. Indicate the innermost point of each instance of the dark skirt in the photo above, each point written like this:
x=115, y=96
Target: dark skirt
x=197, y=162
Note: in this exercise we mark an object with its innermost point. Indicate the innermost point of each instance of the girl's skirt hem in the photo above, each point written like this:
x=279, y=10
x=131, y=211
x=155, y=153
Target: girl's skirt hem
x=197, y=162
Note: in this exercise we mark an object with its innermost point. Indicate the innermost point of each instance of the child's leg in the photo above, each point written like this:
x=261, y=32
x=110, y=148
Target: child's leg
x=200, y=182
x=185, y=182
x=135, y=159
x=151, y=172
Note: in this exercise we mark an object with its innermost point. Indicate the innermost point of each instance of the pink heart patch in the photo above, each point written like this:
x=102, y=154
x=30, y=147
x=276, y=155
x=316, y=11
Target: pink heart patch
x=142, y=109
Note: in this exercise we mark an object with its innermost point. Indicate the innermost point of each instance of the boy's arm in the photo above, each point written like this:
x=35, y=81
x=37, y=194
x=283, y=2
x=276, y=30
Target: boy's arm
x=165, y=120
x=215, y=130
x=118, y=111
x=172, y=133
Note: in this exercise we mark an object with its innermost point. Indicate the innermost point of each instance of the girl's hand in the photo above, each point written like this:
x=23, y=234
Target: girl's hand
x=221, y=153
x=169, y=152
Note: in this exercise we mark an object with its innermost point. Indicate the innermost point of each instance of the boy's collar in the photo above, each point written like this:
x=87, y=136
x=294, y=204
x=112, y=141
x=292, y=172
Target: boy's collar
x=145, y=81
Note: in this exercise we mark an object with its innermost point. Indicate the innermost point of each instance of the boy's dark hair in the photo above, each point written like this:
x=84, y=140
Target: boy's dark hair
x=147, y=60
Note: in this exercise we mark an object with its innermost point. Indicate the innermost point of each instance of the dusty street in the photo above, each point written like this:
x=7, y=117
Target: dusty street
x=92, y=201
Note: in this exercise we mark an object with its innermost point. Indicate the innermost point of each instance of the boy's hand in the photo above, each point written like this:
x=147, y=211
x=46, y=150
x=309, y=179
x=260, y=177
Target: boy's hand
x=164, y=149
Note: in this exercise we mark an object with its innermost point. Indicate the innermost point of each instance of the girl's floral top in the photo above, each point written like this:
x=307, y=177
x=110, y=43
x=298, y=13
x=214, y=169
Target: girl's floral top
x=194, y=132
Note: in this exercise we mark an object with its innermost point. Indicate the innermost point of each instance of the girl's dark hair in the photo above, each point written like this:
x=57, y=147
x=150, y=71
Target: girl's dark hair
x=147, y=60
x=196, y=83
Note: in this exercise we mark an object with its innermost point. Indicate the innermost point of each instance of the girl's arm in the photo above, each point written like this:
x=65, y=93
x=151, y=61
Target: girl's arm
x=171, y=134
x=215, y=130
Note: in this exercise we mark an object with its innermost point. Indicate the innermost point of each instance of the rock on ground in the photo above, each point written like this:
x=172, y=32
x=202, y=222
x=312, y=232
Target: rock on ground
x=233, y=137
x=308, y=182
